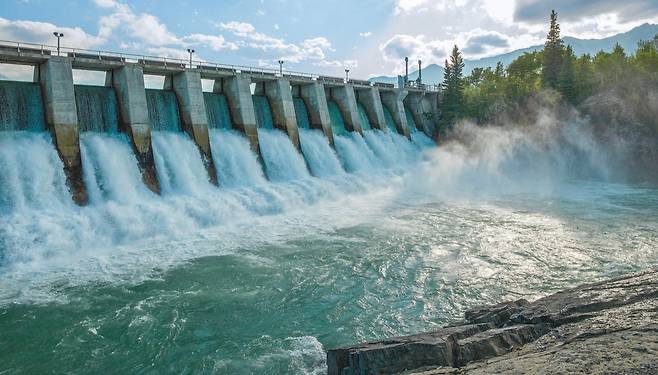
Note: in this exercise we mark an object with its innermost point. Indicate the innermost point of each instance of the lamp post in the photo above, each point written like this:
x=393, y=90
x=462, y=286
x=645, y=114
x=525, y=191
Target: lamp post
x=347, y=75
x=190, y=51
x=58, y=35
x=406, y=70
x=281, y=68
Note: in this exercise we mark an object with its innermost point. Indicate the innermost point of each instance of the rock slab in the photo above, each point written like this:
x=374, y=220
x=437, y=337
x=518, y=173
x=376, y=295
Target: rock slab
x=605, y=327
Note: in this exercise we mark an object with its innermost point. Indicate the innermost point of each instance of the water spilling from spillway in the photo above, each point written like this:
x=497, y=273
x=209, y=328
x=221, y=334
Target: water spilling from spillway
x=380, y=236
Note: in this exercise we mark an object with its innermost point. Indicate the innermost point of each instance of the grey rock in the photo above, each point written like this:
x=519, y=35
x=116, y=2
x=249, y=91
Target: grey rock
x=608, y=327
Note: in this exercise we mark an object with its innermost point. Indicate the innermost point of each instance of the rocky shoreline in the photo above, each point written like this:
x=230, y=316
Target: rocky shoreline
x=609, y=327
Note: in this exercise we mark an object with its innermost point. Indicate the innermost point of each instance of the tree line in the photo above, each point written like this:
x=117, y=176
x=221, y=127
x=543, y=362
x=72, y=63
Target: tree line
x=488, y=92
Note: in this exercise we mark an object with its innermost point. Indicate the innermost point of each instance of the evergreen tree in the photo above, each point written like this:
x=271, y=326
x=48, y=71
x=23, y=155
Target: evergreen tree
x=553, y=53
x=453, y=89
x=567, y=79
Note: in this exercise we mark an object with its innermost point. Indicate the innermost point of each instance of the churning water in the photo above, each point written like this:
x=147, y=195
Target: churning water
x=263, y=276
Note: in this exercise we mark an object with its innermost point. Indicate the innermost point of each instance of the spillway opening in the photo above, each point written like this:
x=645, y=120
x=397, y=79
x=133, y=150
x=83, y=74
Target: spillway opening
x=21, y=106
x=411, y=121
x=163, y=110
x=301, y=113
x=336, y=117
x=390, y=122
x=14, y=72
x=207, y=85
x=89, y=77
x=153, y=81
x=263, y=112
x=217, y=111
x=363, y=116
x=97, y=108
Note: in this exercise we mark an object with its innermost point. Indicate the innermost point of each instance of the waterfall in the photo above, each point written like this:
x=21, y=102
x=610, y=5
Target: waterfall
x=363, y=116
x=178, y=163
x=406, y=147
x=337, y=122
x=282, y=161
x=263, y=112
x=354, y=153
x=237, y=165
x=31, y=173
x=163, y=110
x=21, y=106
x=110, y=169
x=217, y=109
x=383, y=147
x=390, y=123
x=422, y=140
x=319, y=155
x=97, y=109
x=301, y=113
x=411, y=123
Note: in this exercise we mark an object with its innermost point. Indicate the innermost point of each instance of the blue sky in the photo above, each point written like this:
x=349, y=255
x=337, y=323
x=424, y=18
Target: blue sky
x=369, y=36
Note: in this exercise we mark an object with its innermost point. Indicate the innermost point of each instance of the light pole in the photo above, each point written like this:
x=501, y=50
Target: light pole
x=190, y=51
x=58, y=35
x=281, y=67
x=406, y=70
x=347, y=75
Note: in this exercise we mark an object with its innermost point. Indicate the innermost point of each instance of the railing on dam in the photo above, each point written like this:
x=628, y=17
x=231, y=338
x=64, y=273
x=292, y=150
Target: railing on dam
x=25, y=51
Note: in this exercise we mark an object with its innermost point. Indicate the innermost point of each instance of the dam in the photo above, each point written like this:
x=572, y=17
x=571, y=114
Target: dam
x=254, y=124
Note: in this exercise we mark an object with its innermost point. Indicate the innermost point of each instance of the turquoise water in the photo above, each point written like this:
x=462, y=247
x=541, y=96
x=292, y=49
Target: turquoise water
x=363, y=116
x=263, y=112
x=97, y=107
x=163, y=110
x=337, y=122
x=303, y=121
x=262, y=277
x=411, y=122
x=390, y=123
x=217, y=109
x=275, y=307
x=21, y=106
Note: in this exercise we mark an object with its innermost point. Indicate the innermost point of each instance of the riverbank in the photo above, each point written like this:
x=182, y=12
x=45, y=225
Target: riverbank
x=605, y=327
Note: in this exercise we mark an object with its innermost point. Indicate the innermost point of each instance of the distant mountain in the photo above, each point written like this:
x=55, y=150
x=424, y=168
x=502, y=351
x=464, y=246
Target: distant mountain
x=434, y=73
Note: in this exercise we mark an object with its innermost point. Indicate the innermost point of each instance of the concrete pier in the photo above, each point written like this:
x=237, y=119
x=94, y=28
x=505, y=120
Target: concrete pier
x=55, y=76
x=372, y=102
x=187, y=86
x=394, y=101
x=316, y=105
x=238, y=95
x=128, y=82
x=346, y=99
x=279, y=94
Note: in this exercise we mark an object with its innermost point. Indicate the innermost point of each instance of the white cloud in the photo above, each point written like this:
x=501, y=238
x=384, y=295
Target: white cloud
x=42, y=33
x=144, y=27
x=407, y=6
x=415, y=47
x=365, y=34
x=312, y=49
x=215, y=42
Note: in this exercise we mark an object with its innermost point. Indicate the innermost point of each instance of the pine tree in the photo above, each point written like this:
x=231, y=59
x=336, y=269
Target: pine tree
x=453, y=89
x=553, y=53
x=567, y=81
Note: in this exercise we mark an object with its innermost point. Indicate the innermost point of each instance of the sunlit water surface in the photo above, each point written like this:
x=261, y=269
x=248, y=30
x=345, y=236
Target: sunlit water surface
x=269, y=287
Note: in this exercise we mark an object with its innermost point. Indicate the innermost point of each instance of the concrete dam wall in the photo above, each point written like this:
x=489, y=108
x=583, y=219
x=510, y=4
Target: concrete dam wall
x=292, y=125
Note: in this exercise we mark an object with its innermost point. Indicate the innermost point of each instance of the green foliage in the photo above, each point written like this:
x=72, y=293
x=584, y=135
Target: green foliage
x=452, y=98
x=553, y=55
x=488, y=93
